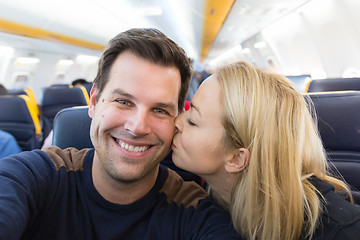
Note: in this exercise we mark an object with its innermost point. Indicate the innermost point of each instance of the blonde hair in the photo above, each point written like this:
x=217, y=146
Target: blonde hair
x=272, y=197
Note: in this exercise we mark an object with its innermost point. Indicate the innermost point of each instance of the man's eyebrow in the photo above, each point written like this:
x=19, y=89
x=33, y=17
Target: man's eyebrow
x=169, y=106
x=118, y=91
x=196, y=108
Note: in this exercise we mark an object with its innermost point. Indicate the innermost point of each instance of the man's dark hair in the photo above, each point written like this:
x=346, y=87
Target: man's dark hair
x=3, y=90
x=151, y=45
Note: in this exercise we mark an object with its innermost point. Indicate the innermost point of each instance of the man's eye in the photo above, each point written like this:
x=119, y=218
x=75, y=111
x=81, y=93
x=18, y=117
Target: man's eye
x=161, y=111
x=123, y=102
x=191, y=123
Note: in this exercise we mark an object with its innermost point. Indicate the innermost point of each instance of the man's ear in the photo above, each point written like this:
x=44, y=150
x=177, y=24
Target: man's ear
x=239, y=160
x=93, y=94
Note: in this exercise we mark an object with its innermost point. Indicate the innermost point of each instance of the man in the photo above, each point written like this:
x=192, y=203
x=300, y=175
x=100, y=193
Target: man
x=118, y=190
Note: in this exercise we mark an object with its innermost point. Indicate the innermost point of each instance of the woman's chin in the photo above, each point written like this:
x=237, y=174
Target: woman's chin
x=178, y=162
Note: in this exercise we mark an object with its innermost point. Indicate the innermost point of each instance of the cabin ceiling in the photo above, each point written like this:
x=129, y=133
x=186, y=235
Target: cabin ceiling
x=97, y=21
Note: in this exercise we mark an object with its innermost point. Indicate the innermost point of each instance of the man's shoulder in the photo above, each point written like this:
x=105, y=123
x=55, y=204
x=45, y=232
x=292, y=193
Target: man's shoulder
x=187, y=193
x=71, y=159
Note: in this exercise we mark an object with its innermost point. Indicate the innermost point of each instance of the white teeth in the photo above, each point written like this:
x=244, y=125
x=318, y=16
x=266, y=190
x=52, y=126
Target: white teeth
x=131, y=148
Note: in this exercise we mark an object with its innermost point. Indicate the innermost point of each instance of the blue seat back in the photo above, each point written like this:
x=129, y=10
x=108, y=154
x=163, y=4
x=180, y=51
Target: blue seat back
x=17, y=120
x=72, y=128
x=88, y=87
x=334, y=84
x=15, y=92
x=339, y=126
x=58, y=98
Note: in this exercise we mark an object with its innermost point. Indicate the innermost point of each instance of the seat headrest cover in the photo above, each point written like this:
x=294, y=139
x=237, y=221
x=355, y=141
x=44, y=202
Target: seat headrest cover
x=72, y=128
x=334, y=84
x=338, y=120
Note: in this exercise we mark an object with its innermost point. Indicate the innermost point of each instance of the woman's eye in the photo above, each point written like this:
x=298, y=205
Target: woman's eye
x=191, y=123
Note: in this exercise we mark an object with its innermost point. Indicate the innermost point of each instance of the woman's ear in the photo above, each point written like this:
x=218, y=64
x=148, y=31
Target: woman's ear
x=239, y=160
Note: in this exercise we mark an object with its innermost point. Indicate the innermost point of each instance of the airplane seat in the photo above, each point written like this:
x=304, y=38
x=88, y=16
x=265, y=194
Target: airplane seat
x=26, y=92
x=18, y=121
x=338, y=116
x=334, y=84
x=29, y=92
x=72, y=129
x=34, y=112
x=86, y=94
x=60, y=85
x=300, y=81
x=88, y=86
x=15, y=92
x=58, y=98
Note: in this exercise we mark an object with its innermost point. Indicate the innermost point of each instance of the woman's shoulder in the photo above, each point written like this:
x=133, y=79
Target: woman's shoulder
x=340, y=219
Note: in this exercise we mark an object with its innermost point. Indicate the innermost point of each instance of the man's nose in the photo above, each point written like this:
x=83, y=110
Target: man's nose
x=138, y=123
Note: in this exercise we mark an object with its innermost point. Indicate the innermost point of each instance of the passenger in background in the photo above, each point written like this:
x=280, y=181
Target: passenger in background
x=79, y=82
x=195, y=80
x=198, y=77
x=204, y=75
x=82, y=83
x=271, y=66
x=117, y=190
x=3, y=90
x=8, y=144
x=49, y=138
x=251, y=136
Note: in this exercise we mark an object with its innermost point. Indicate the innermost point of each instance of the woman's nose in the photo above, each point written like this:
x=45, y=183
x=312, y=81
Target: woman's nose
x=179, y=123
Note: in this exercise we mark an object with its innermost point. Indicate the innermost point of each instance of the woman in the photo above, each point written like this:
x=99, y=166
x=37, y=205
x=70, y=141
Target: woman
x=250, y=135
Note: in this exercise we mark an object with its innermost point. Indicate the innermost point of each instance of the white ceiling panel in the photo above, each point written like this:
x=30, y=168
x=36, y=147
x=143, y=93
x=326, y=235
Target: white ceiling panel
x=98, y=21
x=249, y=17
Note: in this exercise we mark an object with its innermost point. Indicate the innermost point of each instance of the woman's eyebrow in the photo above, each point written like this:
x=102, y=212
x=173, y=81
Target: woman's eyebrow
x=196, y=108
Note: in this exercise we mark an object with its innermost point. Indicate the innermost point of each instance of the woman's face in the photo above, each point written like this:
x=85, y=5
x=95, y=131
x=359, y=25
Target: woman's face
x=198, y=146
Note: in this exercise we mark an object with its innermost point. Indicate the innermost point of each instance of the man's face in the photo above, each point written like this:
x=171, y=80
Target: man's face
x=133, y=120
